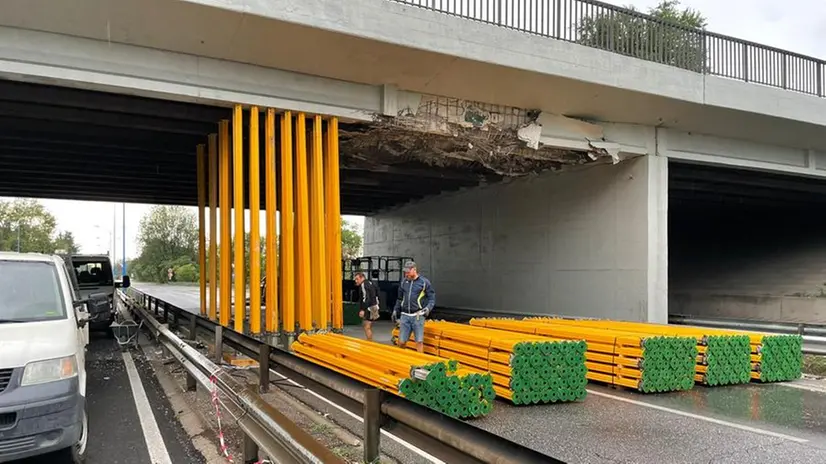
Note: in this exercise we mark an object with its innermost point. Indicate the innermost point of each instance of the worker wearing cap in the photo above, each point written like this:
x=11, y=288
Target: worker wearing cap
x=416, y=299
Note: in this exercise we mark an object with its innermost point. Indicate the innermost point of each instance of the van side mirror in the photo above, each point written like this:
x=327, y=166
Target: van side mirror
x=82, y=319
x=125, y=283
x=80, y=305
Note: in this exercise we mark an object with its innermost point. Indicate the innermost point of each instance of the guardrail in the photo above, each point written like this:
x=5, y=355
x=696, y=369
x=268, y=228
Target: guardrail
x=436, y=433
x=638, y=35
x=814, y=336
x=270, y=431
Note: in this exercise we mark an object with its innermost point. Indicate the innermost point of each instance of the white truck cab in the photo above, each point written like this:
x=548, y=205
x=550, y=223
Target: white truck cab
x=43, y=337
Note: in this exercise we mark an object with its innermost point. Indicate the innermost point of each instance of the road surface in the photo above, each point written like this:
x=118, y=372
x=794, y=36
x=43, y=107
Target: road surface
x=751, y=423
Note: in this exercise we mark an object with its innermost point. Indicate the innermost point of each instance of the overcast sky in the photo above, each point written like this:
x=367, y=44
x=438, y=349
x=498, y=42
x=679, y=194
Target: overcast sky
x=797, y=25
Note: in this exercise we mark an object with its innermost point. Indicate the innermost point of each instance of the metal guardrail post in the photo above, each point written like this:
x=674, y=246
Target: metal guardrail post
x=219, y=344
x=193, y=328
x=264, y=368
x=250, y=450
x=372, y=425
x=191, y=384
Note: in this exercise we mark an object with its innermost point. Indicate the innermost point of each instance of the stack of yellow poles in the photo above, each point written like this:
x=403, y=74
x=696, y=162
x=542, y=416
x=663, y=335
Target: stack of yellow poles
x=431, y=381
x=526, y=369
x=630, y=359
x=774, y=357
x=723, y=359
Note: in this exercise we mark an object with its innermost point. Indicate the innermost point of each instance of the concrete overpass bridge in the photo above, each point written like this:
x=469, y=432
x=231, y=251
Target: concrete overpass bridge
x=525, y=163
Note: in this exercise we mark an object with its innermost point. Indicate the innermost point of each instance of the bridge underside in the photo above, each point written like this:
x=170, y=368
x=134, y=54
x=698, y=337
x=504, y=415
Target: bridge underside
x=64, y=143
x=746, y=244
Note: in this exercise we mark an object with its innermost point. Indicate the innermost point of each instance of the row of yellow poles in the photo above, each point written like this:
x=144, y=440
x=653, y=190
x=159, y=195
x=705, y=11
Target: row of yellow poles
x=305, y=284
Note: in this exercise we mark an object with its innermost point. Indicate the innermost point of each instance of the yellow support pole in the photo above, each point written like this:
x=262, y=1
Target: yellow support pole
x=213, y=225
x=288, y=308
x=321, y=294
x=240, y=294
x=226, y=253
x=271, y=271
x=202, y=278
x=255, y=231
x=302, y=213
x=333, y=207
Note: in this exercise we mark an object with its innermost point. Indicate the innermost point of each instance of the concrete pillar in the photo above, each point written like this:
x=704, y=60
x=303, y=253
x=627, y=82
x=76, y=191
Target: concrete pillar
x=657, y=239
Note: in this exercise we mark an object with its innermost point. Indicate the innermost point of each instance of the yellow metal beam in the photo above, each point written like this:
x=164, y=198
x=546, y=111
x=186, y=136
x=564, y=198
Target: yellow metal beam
x=333, y=213
x=288, y=267
x=240, y=294
x=320, y=278
x=213, y=225
x=202, y=278
x=226, y=253
x=271, y=252
x=302, y=213
x=255, y=231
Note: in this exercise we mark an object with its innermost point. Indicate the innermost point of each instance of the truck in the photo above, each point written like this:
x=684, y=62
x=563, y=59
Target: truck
x=93, y=278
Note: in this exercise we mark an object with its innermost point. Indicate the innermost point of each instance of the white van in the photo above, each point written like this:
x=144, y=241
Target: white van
x=43, y=338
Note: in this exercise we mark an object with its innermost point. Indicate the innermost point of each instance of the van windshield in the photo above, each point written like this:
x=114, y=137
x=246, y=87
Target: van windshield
x=30, y=291
x=93, y=273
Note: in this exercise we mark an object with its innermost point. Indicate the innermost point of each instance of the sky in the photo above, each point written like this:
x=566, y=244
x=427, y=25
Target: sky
x=793, y=25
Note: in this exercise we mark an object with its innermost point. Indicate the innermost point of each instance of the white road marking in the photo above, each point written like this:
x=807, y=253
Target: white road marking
x=398, y=440
x=151, y=433
x=702, y=418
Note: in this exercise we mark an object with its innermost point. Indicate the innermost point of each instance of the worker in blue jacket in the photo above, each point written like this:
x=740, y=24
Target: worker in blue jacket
x=415, y=302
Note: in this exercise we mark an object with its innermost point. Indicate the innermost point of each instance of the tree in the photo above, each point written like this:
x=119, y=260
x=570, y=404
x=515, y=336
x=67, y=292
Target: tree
x=30, y=225
x=65, y=242
x=673, y=37
x=168, y=238
x=350, y=240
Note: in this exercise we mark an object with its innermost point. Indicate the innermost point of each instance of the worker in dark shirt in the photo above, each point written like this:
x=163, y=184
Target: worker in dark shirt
x=368, y=303
x=416, y=299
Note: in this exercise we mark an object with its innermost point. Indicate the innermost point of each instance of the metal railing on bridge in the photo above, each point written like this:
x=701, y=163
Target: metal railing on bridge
x=638, y=35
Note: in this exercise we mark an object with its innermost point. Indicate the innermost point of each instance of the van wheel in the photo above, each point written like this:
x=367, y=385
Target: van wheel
x=78, y=452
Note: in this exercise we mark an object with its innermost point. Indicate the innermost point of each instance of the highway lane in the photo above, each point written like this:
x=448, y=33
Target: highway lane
x=121, y=429
x=748, y=423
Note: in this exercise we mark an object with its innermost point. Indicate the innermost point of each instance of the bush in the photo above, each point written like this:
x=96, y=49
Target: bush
x=186, y=273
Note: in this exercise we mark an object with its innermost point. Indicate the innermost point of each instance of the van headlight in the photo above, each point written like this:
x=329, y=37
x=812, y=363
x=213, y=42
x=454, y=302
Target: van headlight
x=49, y=370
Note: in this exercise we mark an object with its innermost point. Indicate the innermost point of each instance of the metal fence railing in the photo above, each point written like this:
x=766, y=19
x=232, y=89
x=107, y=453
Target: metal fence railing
x=631, y=33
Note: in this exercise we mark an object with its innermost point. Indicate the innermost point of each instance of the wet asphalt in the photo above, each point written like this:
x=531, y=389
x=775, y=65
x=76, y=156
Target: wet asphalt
x=753, y=423
x=115, y=432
